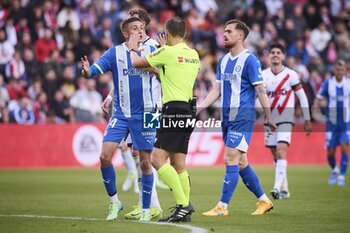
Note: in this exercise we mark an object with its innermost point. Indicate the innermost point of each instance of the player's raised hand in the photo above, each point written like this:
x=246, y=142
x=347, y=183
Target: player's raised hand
x=161, y=40
x=133, y=42
x=308, y=127
x=85, y=66
x=106, y=103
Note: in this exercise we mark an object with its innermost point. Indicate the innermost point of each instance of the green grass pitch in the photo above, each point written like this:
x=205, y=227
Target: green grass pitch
x=314, y=206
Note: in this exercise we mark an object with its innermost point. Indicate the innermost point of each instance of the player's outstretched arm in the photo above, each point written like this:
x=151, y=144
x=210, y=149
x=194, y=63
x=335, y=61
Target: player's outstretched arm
x=107, y=102
x=213, y=95
x=264, y=101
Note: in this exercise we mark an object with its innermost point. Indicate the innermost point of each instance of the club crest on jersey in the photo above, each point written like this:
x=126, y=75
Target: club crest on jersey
x=238, y=68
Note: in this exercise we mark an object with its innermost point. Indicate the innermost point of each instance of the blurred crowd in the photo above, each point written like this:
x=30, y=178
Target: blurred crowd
x=41, y=43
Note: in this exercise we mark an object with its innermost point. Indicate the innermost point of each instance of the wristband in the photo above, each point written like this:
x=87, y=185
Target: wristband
x=109, y=97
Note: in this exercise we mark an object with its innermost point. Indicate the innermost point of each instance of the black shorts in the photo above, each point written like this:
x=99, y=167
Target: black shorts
x=176, y=126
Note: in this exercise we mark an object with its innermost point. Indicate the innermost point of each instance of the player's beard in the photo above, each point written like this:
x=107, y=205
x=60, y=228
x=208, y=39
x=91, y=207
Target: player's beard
x=229, y=45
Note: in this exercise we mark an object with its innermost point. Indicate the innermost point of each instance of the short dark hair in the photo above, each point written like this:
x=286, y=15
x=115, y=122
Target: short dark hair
x=239, y=26
x=128, y=21
x=142, y=14
x=176, y=27
x=277, y=46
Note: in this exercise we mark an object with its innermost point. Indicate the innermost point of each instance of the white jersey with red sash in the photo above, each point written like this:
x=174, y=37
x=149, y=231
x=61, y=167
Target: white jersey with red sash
x=280, y=92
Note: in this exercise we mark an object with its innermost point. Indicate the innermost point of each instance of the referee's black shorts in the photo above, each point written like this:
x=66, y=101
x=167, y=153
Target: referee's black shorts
x=175, y=128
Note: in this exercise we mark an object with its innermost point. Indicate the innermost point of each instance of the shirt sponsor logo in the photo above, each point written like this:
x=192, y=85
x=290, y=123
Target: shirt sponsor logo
x=229, y=77
x=134, y=72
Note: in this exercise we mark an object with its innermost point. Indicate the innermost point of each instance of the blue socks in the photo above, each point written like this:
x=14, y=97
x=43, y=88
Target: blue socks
x=230, y=183
x=147, y=184
x=331, y=161
x=251, y=181
x=108, y=175
x=344, y=161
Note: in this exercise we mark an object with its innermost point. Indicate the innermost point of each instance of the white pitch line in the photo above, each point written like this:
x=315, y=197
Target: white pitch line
x=189, y=227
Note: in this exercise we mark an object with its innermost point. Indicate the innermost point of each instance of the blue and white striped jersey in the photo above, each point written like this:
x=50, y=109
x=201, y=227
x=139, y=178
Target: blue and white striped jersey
x=237, y=76
x=132, y=86
x=338, y=100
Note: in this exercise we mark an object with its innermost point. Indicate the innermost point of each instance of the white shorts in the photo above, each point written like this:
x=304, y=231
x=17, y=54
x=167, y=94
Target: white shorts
x=282, y=134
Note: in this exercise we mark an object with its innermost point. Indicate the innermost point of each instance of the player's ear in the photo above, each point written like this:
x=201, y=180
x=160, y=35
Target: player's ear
x=126, y=34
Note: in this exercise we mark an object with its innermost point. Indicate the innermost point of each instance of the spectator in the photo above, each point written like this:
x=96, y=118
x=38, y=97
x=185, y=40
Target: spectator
x=25, y=43
x=44, y=46
x=22, y=112
x=6, y=50
x=53, y=62
x=273, y=6
x=15, y=68
x=11, y=31
x=319, y=37
x=269, y=31
x=32, y=67
x=297, y=49
x=299, y=20
x=69, y=60
x=49, y=15
x=67, y=83
x=41, y=108
x=204, y=6
x=105, y=30
x=70, y=36
x=68, y=14
x=15, y=88
x=312, y=18
x=4, y=99
x=61, y=109
x=86, y=103
x=83, y=47
x=50, y=85
x=21, y=28
x=35, y=89
x=330, y=54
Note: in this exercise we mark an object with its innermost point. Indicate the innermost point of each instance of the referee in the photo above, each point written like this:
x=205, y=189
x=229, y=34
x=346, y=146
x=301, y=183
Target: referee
x=178, y=68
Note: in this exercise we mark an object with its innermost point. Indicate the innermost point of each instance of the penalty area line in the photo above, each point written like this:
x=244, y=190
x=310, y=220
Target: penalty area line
x=193, y=229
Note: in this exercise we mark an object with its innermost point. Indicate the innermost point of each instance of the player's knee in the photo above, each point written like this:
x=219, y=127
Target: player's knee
x=331, y=152
x=105, y=160
x=179, y=167
x=281, y=153
x=145, y=166
x=135, y=153
x=231, y=160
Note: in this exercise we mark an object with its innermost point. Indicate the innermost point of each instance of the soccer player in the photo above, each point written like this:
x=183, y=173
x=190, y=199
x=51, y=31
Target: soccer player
x=134, y=164
x=132, y=98
x=336, y=91
x=178, y=68
x=239, y=80
x=281, y=84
